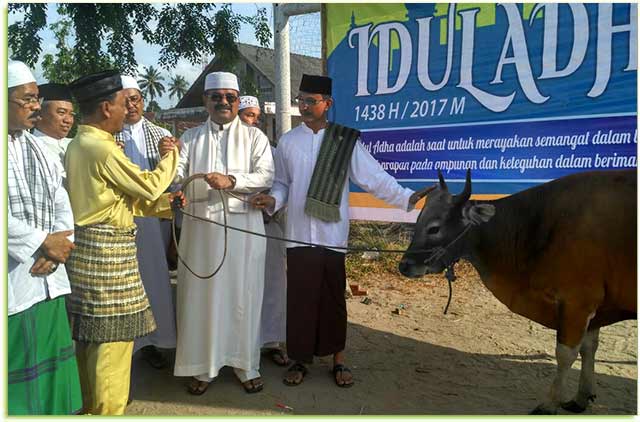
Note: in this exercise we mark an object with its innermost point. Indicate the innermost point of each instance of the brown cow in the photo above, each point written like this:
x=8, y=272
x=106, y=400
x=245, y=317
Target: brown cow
x=562, y=254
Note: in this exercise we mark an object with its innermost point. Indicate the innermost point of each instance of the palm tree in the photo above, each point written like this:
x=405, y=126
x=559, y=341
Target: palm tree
x=150, y=83
x=178, y=86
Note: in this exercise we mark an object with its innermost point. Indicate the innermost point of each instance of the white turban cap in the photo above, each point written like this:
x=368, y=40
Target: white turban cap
x=18, y=73
x=247, y=101
x=129, y=82
x=221, y=80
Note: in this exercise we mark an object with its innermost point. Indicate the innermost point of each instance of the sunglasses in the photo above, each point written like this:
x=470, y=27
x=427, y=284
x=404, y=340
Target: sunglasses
x=217, y=98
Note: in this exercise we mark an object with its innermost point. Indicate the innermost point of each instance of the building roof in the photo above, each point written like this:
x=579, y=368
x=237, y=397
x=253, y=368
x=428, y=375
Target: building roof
x=262, y=59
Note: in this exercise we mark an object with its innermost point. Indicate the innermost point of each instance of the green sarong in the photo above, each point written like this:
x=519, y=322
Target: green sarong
x=43, y=374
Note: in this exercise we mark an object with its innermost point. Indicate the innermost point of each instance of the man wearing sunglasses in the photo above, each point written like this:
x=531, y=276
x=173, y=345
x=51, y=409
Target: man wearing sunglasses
x=141, y=140
x=219, y=317
x=57, y=117
x=314, y=163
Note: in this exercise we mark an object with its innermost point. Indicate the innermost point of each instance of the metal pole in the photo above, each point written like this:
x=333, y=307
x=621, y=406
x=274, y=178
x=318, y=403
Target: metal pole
x=283, y=88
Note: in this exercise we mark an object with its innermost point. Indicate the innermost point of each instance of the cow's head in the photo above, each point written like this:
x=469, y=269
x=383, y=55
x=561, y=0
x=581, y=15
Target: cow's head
x=437, y=239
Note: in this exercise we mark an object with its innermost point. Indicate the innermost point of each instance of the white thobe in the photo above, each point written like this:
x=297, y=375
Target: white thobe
x=57, y=147
x=152, y=242
x=219, y=317
x=23, y=242
x=295, y=160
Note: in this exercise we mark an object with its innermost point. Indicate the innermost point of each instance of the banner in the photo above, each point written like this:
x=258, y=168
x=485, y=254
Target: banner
x=519, y=93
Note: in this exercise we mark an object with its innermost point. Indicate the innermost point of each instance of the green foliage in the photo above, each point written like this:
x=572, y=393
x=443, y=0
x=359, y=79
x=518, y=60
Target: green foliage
x=151, y=83
x=153, y=106
x=178, y=86
x=104, y=33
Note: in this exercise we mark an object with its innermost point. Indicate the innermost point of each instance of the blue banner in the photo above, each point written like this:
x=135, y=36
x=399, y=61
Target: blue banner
x=519, y=93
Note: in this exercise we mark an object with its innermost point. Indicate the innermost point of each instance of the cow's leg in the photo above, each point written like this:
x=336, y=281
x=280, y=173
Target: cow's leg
x=566, y=356
x=586, y=386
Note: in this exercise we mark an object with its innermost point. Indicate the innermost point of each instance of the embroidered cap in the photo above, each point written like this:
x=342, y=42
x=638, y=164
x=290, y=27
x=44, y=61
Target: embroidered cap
x=247, y=101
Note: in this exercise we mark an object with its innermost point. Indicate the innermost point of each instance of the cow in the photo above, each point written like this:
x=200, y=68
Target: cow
x=562, y=254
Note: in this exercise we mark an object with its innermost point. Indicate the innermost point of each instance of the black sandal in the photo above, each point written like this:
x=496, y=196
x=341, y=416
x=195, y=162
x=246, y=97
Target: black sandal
x=296, y=367
x=251, y=386
x=341, y=368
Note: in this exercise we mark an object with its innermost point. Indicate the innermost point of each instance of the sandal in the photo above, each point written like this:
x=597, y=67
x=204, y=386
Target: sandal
x=197, y=387
x=279, y=357
x=295, y=368
x=342, y=369
x=253, y=386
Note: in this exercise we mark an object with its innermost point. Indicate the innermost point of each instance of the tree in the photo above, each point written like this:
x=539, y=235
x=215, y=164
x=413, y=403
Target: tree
x=105, y=31
x=178, y=86
x=153, y=106
x=150, y=83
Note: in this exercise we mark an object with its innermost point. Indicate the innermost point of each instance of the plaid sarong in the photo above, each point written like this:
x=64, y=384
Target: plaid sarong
x=107, y=302
x=152, y=136
x=42, y=370
x=330, y=172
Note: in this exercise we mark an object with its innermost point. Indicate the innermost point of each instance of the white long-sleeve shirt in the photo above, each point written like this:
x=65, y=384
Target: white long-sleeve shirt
x=57, y=147
x=25, y=289
x=295, y=160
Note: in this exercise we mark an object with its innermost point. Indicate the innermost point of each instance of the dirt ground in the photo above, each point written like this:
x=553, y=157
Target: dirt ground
x=478, y=359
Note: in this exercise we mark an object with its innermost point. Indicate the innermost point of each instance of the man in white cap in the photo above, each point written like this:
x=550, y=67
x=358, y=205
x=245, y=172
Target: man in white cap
x=219, y=316
x=249, y=110
x=57, y=117
x=141, y=138
x=42, y=370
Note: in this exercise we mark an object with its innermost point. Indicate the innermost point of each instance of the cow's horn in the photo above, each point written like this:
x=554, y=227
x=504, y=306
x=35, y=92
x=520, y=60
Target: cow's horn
x=443, y=185
x=466, y=192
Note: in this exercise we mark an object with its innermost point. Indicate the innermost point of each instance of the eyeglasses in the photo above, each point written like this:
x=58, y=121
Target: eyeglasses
x=134, y=100
x=27, y=102
x=308, y=101
x=217, y=98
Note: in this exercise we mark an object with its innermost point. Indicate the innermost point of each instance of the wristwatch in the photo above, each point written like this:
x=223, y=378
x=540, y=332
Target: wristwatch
x=233, y=181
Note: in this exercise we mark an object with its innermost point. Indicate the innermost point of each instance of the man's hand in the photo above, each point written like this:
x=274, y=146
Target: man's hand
x=57, y=247
x=167, y=144
x=178, y=199
x=43, y=266
x=263, y=201
x=219, y=181
x=416, y=196
x=120, y=145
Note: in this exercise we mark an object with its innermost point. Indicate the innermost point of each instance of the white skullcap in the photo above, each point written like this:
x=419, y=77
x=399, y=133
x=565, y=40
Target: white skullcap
x=129, y=82
x=221, y=80
x=247, y=101
x=18, y=73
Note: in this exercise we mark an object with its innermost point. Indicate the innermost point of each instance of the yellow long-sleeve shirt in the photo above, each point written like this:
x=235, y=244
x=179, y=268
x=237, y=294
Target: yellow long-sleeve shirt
x=105, y=187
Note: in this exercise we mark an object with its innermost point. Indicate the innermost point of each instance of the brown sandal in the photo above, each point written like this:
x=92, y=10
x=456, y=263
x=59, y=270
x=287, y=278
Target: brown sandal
x=295, y=368
x=197, y=387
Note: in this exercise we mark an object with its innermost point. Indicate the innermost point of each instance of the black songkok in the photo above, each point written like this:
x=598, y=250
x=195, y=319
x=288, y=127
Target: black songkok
x=96, y=85
x=314, y=84
x=55, y=92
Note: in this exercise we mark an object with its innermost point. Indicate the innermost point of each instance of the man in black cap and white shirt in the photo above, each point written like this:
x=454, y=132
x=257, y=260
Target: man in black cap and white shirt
x=57, y=117
x=314, y=163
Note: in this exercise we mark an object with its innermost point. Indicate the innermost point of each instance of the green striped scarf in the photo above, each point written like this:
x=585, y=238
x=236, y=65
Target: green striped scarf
x=330, y=172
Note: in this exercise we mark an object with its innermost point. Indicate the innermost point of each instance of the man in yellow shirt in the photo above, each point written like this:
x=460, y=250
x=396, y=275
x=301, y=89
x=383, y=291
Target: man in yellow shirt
x=108, y=305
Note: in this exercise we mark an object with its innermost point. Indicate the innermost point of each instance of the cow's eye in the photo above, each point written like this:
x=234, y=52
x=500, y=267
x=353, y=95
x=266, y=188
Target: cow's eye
x=433, y=230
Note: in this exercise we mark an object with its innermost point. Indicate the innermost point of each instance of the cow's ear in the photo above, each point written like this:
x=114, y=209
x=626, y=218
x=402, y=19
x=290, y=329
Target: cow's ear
x=478, y=213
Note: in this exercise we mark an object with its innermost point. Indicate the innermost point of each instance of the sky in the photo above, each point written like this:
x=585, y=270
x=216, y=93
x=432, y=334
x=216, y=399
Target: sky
x=146, y=54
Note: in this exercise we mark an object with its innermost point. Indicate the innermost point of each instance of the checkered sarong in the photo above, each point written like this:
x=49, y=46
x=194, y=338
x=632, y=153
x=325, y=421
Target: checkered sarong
x=107, y=302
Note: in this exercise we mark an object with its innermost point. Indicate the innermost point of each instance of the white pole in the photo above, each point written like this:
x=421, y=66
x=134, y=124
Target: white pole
x=283, y=87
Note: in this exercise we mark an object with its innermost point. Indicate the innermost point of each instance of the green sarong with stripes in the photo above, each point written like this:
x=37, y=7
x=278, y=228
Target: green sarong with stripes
x=330, y=172
x=42, y=370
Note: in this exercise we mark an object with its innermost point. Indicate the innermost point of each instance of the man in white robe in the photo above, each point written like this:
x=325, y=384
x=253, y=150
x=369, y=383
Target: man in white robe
x=274, y=304
x=140, y=138
x=219, y=317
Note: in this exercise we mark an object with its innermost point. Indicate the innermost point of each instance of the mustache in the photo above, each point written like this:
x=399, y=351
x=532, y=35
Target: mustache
x=220, y=107
x=307, y=113
x=35, y=115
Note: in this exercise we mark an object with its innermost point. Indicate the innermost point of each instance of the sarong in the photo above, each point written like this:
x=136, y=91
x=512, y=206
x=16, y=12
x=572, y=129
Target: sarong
x=42, y=370
x=107, y=302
